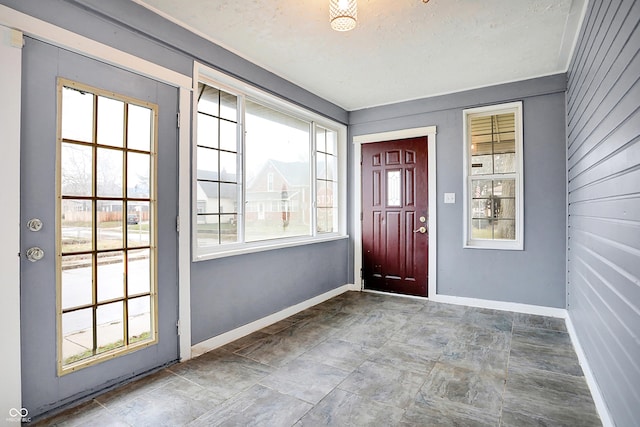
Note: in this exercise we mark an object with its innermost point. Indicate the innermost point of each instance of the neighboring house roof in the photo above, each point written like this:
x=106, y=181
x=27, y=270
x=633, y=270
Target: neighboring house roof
x=210, y=184
x=295, y=174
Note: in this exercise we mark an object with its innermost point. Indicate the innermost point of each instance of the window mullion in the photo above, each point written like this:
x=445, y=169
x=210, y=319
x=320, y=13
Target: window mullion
x=242, y=206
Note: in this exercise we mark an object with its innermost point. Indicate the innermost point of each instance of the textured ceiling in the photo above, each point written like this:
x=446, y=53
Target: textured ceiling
x=400, y=50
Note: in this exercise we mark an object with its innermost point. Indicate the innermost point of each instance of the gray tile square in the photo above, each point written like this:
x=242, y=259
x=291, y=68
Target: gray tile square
x=549, y=358
x=436, y=412
x=461, y=385
x=543, y=322
x=305, y=379
x=405, y=356
x=384, y=384
x=340, y=354
x=341, y=408
x=257, y=406
x=550, y=396
x=176, y=403
x=476, y=358
x=224, y=374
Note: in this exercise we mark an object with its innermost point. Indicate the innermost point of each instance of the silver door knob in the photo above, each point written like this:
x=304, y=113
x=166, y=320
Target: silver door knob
x=35, y=254
x=34, y=224
x=421, y=230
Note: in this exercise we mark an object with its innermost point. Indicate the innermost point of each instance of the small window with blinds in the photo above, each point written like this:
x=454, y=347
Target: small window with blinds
x=493, y=201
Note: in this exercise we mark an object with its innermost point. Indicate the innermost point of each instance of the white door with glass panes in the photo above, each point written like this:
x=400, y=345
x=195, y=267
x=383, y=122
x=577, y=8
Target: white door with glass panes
x=99, y=291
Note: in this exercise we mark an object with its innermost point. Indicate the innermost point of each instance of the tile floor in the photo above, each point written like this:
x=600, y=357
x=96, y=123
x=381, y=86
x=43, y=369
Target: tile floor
x=367, y=359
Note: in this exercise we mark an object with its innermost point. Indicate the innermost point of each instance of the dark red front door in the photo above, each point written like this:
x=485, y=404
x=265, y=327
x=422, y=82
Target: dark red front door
x=394, y=208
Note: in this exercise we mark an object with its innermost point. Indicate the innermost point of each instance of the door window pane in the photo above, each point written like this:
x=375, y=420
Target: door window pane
x=77, y=115
x=139, y=319
x=76, y=225
x=109, y=172
x=138, y=272
x=110, y=122
x=394, y=188
x=138, y=175
x=109, y=334
x=76, y=169
x=109, y=224
x=77, y=335
x=139, y=128
x=110, y=276
x=77, y=280
x=138, y=214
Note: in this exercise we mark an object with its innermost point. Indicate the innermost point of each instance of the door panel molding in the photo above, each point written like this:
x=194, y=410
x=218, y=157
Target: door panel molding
x=430, y=132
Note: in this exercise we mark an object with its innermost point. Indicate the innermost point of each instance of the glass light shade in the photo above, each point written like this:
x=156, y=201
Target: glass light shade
x=343, y=14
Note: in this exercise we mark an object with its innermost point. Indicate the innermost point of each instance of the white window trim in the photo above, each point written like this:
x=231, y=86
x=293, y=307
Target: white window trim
x=518, y=243
x=203, y=73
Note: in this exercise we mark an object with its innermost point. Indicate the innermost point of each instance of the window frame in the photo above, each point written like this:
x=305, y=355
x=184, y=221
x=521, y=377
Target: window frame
x=126, y=348
x=518, y=175
x=245, y=91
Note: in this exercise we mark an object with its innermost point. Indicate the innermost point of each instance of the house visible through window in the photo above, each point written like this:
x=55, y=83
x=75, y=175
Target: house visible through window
x=264, y=171
x=493, y=206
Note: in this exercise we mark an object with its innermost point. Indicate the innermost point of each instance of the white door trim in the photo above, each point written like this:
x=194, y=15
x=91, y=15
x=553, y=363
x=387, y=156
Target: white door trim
x=11, y=88
x=68, y=40
x=430, y=133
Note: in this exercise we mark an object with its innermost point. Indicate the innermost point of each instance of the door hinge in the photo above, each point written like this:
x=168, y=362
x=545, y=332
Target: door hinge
x=178, y=326
x=178, y=224
x=361, y=216
x=178, y=119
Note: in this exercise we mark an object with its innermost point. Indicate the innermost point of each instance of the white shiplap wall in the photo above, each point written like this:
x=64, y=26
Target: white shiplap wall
x=603, y=119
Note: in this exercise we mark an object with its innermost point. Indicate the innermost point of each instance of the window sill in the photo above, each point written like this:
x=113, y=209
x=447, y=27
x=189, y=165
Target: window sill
x=496, y=245
x=250, y=248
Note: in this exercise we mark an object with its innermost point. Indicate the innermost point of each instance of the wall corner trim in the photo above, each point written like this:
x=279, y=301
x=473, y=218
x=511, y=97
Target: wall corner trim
x=596, y=394
x=230, y=336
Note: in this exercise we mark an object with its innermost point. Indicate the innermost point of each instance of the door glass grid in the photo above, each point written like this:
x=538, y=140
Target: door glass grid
x=106, y=225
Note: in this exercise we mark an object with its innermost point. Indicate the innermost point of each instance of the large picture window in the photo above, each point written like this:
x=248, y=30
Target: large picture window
x=267, y=174
x=493, y=184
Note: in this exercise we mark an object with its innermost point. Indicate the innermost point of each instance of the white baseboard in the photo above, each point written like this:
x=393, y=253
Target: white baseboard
x=502, y=305
x=227, y=337
x=596, y=394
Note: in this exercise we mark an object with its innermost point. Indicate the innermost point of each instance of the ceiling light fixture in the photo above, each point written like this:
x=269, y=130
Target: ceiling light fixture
x=343, y=14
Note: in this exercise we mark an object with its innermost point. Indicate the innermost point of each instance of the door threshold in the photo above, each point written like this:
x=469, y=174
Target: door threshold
x=371, y=291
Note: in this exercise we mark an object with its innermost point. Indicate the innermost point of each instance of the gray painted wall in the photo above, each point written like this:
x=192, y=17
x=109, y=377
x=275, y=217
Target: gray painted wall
x=537, y=274
x=231, y=292
x=604, y=201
